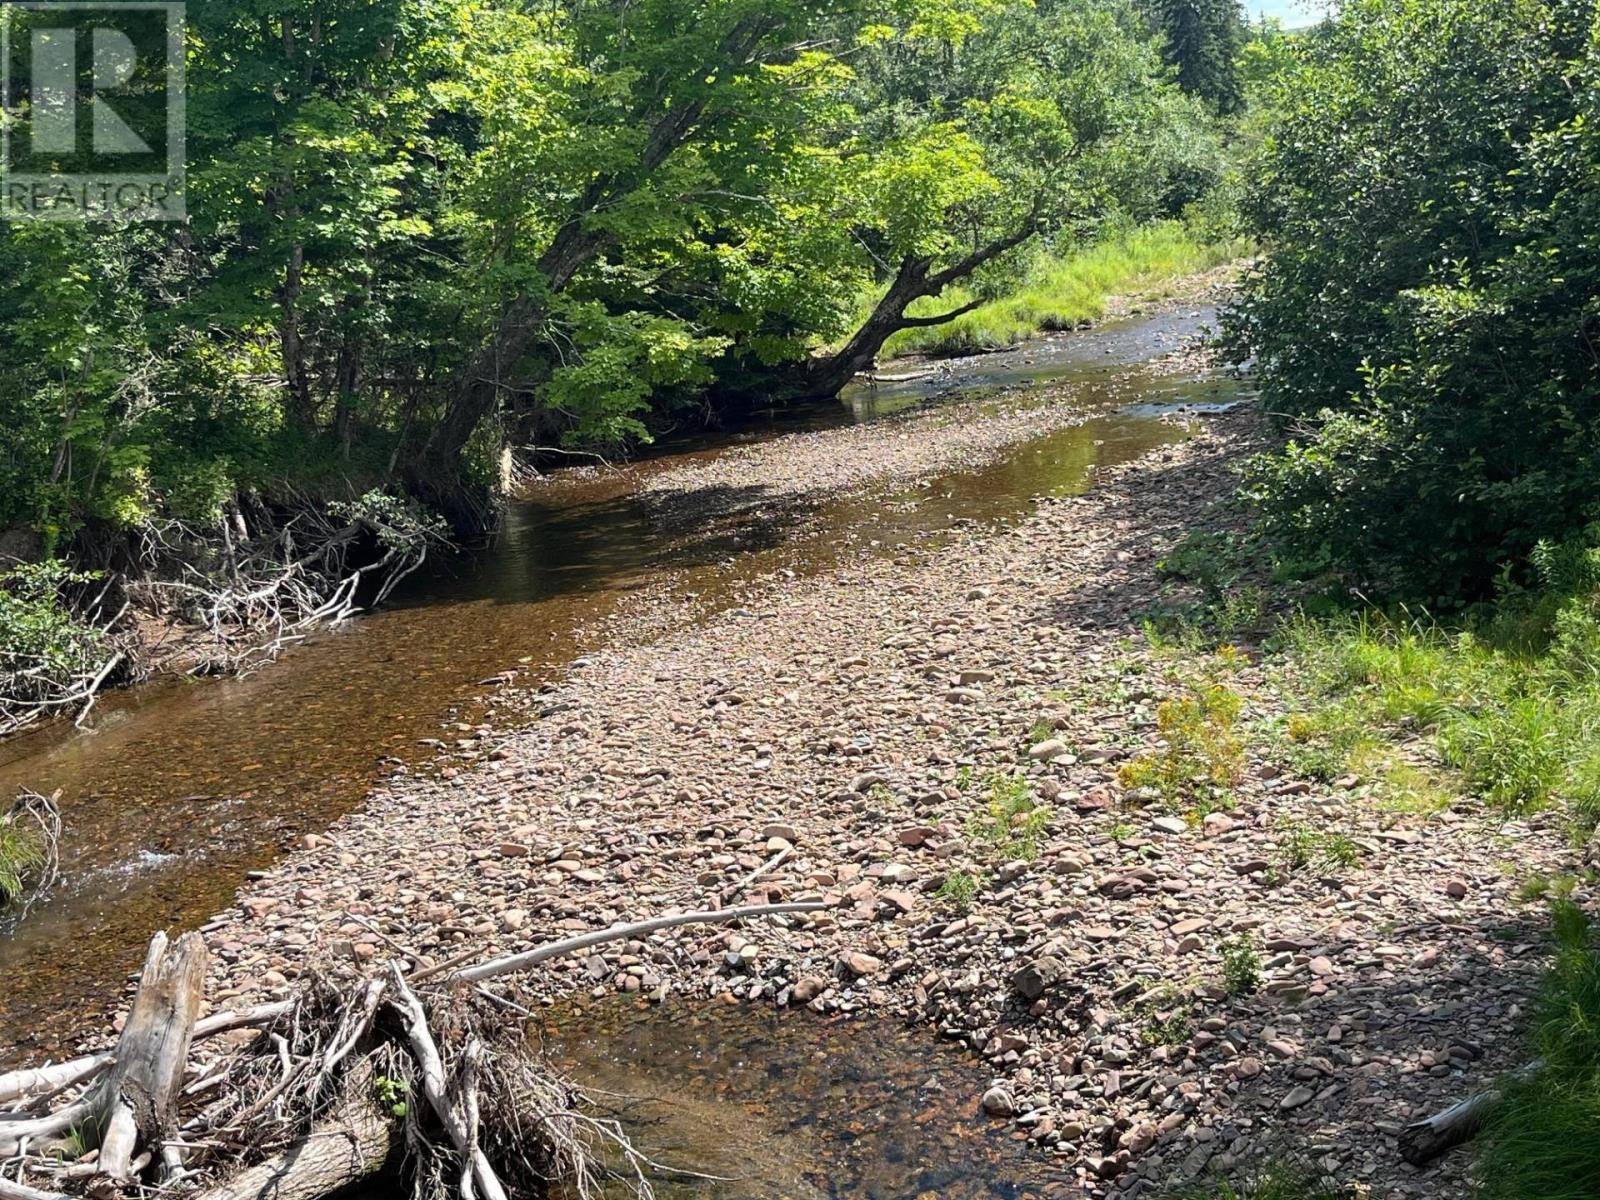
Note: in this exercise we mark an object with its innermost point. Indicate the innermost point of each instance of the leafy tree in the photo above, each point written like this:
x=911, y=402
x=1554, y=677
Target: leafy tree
x=1426, y=315
x=1057, y=116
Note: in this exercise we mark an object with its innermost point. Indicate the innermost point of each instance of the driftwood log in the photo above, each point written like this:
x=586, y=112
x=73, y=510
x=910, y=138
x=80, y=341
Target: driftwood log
x=340, y=1081
x=1423, y=1141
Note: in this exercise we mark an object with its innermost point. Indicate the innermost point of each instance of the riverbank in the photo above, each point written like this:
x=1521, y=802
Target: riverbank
x=856, y=736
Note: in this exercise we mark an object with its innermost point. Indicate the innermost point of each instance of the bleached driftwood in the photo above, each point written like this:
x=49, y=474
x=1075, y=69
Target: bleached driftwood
x=297, y=1114
x=1423, y=1141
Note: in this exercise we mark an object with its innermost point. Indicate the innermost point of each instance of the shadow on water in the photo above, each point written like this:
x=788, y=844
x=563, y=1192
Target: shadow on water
x=785, y=1103
x=181, y=788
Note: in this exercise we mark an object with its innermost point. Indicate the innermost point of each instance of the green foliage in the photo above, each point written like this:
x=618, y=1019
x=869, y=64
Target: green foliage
x=41, y=638
x=1202, y=754
x=22, y=852
x=1167, y=1019
x=1542, y=1141
x=959, y=889
x=1012, y=823
x=1515, y=712
x=1203, y=40
x=1273, y=1181
x=1241, y=966
x=599, y=218
x=393, y=1095
x=1301, y=845
x=1427, y=189
x=1056, y=290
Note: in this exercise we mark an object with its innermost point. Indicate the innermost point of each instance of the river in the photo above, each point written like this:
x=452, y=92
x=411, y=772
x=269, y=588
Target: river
x=180, y=788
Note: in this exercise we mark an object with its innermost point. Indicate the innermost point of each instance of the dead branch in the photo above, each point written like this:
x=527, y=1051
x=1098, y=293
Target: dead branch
x=521, y=962
x=316, y=1101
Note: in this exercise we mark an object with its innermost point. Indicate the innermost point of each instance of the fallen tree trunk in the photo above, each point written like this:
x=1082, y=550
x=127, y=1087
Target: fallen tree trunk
x=137, y=1102
x=354, y=1144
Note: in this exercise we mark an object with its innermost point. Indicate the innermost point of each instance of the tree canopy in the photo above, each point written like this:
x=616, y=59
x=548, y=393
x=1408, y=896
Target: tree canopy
x=422, y=228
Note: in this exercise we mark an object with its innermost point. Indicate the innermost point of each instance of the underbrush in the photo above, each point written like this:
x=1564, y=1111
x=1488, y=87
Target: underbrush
x=1543, y=1140
x=1063, y=291
x=52, y=650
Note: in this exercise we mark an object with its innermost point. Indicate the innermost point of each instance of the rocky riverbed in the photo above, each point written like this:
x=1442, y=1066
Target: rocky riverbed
x=844, y=736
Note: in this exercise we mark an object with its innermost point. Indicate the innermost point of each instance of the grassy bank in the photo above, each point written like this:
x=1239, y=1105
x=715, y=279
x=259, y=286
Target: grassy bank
x=1493, y=713
x=1061, y=291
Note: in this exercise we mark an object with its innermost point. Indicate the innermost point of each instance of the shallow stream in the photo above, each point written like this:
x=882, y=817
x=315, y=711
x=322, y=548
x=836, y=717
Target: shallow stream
x=181, y=788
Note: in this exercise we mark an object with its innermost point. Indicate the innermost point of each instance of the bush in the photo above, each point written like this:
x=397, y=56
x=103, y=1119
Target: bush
x=1424, y=319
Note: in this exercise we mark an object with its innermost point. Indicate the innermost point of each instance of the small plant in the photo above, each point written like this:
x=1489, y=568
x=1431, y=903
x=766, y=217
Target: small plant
x=1301, y=846
x=1211, y=561
x=1539, y=886
x=959, y=889
x=1202, y=753
x=22, y=852
x=1241, y=966
x=1042, y=731
x=1168, y=1020
x=1012, y=823
x=392, y=1094
x=1322, y=744
x=1274, y=1181
x=1120, y=831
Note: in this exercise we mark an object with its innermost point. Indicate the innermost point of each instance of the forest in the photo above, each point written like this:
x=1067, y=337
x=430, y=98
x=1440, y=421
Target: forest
x=1254, y=768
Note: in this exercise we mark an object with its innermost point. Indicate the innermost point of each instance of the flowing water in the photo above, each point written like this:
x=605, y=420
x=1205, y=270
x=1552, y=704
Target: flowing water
x=180, y=788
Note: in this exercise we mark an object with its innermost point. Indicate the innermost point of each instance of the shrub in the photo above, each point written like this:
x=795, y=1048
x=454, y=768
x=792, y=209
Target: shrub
x=1423, y=320
x=1202, y=754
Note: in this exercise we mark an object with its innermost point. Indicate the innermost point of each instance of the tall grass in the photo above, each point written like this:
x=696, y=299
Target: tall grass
x=1061, y=291
x=21, y=854
x=1518, y=717
x=1543, y=1140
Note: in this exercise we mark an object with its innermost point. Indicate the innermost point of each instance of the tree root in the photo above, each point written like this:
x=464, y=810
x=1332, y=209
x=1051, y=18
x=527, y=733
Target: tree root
x=342, y=1081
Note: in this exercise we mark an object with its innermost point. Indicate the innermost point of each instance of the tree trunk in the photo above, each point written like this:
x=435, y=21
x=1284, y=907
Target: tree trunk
x=824, y=378
x=301, y=411
x=137, y=1099
x=355, y=1143
x=1423, y=1141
